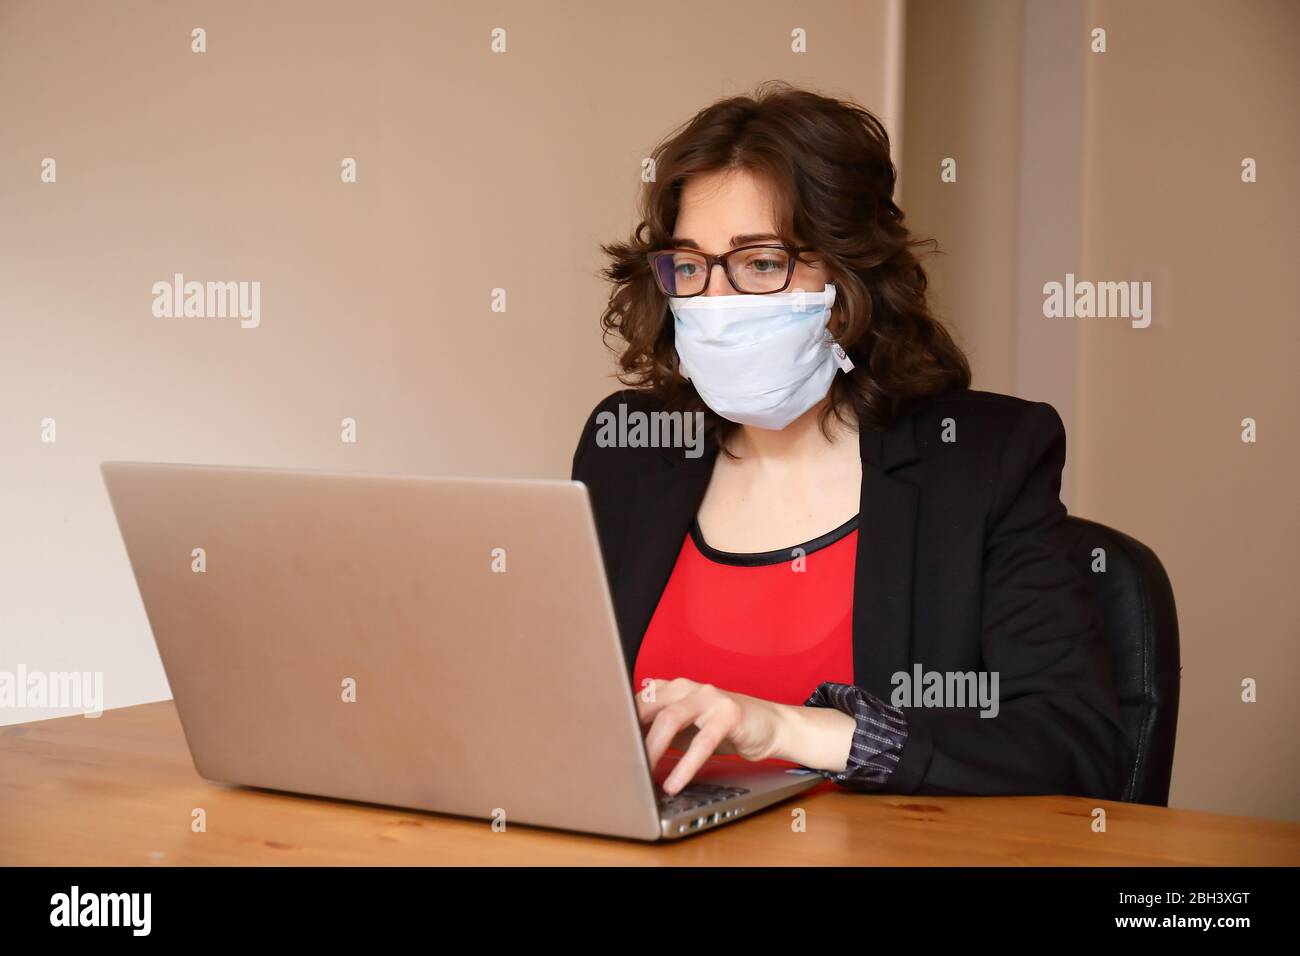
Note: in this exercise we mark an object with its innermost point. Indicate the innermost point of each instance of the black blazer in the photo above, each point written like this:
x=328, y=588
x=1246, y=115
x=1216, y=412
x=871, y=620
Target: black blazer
x=962, y=565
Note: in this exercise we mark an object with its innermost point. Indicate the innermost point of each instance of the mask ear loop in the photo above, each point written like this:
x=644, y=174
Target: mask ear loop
x=841, y=357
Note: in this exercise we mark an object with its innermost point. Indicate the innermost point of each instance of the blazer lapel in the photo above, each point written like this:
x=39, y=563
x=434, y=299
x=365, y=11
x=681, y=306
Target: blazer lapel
x=882, y=588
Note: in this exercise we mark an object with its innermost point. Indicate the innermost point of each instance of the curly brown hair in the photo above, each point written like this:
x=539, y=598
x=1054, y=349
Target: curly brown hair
x=827, y=162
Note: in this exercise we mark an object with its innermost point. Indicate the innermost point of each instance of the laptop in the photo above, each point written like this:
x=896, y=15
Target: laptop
x=439, y=644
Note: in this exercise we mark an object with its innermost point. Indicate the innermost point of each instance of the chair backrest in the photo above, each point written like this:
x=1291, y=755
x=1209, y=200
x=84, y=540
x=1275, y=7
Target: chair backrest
x=1141, y=626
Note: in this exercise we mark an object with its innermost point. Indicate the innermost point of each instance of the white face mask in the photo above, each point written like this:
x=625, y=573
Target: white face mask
x=759, y=360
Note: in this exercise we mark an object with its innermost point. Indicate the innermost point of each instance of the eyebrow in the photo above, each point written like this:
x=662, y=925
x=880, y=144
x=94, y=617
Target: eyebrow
x=736, y=241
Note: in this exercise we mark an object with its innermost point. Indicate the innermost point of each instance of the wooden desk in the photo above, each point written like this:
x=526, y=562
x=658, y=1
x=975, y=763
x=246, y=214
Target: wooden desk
x=119, y=790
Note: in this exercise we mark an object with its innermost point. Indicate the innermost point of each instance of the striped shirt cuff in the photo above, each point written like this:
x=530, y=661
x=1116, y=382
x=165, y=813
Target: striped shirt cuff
x=878, y=740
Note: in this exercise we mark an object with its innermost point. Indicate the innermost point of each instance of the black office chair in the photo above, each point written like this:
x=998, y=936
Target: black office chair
x=1141, y=625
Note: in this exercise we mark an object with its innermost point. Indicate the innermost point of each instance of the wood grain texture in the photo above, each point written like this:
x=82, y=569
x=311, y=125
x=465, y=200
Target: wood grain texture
x=120, y=789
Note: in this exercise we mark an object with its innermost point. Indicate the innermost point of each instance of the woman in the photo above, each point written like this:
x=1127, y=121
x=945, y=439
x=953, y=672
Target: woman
x=859, y=520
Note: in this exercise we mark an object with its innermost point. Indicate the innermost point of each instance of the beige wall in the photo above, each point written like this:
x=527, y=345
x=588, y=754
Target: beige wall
x=1172, y=114
x=961, y=96
x=375, y=296
x=1160, y=123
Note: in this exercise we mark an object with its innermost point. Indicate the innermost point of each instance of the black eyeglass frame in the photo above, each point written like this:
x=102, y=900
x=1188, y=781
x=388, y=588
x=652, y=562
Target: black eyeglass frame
x=725, y=261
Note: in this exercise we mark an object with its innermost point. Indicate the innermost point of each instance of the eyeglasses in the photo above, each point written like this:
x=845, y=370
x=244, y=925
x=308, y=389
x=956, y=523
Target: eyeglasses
x=753, y=270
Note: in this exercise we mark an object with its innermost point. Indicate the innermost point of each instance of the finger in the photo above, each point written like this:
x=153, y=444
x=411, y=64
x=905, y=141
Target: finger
x=648, y=689
x=650, y=700
x=665, y=693
x=668, y=723
x=713, y=732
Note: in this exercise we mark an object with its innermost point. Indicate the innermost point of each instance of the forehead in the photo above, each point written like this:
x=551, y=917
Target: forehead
x=717, y=206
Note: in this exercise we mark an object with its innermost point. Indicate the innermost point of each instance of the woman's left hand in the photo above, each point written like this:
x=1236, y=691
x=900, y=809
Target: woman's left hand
x=703, y=720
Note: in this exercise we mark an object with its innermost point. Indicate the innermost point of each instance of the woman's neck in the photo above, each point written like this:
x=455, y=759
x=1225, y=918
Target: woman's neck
x=799, y=442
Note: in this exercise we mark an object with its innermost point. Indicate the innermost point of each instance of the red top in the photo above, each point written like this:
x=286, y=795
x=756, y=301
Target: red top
x=770, y=625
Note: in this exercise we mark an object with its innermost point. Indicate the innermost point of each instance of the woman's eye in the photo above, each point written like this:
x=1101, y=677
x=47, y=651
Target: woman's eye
x=765, y=265
x=683, y=266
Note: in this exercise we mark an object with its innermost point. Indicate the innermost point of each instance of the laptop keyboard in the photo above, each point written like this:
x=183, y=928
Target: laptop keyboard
x=696, y=795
